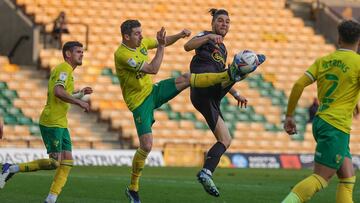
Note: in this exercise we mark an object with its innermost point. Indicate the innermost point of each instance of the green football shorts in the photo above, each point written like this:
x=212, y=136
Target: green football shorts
x=56, y=139
x=332, y=144
x=162, y=92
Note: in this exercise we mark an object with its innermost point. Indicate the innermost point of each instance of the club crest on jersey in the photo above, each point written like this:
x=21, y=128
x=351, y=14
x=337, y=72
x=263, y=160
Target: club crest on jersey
x=132, y=62
x=144, y=51
x=338, y=158
x=63, y=76
x=217, y=57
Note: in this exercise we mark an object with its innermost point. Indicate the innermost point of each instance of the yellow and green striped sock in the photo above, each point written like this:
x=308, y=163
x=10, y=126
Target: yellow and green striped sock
x=61, y=176
x=344, y=191
x=137, y=167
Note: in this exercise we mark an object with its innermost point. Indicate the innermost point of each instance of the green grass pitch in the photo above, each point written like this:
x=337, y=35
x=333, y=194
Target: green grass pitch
x=164, y=184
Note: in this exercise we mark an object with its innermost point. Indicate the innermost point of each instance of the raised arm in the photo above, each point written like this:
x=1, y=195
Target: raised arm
x=173, y=38
x=154, y=66
x=198, y=41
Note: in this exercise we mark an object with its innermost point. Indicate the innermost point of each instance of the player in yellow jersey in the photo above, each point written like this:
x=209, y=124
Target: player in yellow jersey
x=142, y=96
x=338, y=83
x=53, y=123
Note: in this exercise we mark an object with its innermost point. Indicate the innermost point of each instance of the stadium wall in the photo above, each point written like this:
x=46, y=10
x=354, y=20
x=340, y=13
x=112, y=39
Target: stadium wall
x=14, y=25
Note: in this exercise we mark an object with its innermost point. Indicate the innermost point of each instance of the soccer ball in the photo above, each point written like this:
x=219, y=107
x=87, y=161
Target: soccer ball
x=246, y=61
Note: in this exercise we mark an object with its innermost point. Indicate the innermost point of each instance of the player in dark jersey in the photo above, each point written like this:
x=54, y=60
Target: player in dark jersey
x=210, y=57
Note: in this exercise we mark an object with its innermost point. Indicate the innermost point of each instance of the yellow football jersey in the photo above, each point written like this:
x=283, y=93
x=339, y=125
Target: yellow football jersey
x=135, y=85
x=338, y=83
x=54, y=113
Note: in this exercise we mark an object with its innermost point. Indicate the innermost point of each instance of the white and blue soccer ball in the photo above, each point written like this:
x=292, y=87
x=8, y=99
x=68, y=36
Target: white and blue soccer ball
x=246, y=61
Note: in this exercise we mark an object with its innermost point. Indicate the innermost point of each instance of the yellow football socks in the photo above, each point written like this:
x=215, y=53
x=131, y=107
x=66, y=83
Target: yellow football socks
x=208, y=79
x=345, y=189
x=305, y=189
x=40, y=164
x=61, y=176
x=137, y=166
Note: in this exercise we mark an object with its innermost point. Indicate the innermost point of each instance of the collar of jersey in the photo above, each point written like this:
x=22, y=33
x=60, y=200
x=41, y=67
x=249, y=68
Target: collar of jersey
x=131, y=49
x=69, y=66
x=342, y=49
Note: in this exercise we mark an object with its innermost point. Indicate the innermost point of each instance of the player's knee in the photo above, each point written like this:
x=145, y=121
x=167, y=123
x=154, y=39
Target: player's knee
x=49, y=164
x=186, y=76
x=184, y=79
x=54, y=164
x=146, y=146
x=227, y=143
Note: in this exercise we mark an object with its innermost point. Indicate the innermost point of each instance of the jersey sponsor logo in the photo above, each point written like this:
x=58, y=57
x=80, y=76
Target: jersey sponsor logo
x=63, y=76
x=144, y=51
x=216, y=55
x=131, y=62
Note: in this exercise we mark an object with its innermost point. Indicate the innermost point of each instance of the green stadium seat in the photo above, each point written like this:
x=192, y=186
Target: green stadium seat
x=231, y=108
x=174, y=115
x=34, y=130
x=4, y=103
x=10, y=120
x=201, y=125
x=258, y=118
x=24, y=120
x=188, y=116
x=115, y=80
x=14, y=111
x=107, y=71
x=229, y=116
x=225, y=101
x=175, y=74
x=165, y=107
x=9, y=94
x=3, y=86
x=243, y=117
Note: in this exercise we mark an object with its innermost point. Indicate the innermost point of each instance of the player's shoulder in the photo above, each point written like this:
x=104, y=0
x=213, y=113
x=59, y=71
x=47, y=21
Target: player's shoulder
x=203, y=33
x=124, y=52
x=62, y=67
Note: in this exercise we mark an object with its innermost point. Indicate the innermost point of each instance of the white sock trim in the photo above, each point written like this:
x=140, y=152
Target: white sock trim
x=14, y=168
x=207, y=171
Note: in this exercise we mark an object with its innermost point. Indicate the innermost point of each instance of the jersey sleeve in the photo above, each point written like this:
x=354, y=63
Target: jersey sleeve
x=150, y=43
x=61, y=76
x=129, y=62
x=312, y=71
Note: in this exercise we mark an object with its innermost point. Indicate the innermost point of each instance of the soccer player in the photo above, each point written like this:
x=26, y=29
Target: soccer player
x=53, y=123
x=142, y=96
x=210, y=57
x=338, y=83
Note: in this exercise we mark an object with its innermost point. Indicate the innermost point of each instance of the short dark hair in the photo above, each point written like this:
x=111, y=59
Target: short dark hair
x=69, y=46
x=349, y=31
x=216, y=12
x=128, y=25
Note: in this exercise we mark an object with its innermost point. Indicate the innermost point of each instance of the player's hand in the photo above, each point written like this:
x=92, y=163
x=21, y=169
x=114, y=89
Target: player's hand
x=185, y=33
x=218, y=39
x=84, y=105
x=242, y=101
x=290, y=125
x=86, y=90
x=161, y=37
